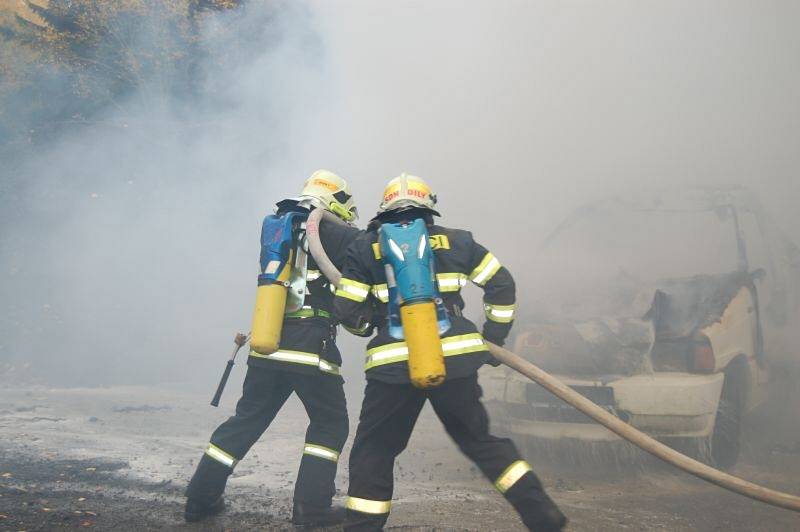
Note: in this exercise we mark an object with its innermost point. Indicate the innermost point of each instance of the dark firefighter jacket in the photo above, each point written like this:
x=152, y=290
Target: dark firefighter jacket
x=361, y=302
x=307, y=343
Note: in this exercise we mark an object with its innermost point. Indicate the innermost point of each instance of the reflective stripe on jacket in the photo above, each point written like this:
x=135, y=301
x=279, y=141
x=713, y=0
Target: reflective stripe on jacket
x=308, y=338
x=364, y=294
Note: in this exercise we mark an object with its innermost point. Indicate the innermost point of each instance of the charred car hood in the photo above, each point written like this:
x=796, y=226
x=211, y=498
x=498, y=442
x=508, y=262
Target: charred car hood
x=608, y=346
x=620, y=345
x=682, y=306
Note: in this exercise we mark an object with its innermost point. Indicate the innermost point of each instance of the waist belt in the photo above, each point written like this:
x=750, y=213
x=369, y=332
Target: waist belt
x=309, y=312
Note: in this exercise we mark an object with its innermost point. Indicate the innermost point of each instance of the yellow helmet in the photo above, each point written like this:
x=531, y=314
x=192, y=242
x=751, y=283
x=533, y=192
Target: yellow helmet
x=332, y=192
x=407, y=191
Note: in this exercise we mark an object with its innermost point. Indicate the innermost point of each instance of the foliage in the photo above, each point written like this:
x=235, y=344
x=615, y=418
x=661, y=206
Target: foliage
x=82, y=57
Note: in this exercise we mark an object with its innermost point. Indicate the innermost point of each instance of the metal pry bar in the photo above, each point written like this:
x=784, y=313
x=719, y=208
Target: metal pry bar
x=240, y=340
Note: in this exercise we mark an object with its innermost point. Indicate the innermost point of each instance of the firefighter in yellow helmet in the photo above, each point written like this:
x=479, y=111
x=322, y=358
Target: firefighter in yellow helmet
x=306, y=362
x=391, y=403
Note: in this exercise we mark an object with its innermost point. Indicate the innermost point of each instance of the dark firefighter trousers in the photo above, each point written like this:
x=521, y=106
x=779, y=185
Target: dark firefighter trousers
x=265, y=392
x=388, y=415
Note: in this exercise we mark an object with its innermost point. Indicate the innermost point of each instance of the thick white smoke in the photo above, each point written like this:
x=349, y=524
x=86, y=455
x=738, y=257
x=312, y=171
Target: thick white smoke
x=135, y=253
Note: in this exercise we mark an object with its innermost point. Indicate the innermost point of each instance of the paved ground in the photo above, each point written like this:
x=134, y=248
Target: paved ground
x=119, y=458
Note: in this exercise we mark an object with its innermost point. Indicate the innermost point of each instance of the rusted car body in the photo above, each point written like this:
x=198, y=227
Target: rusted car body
x=671, y=305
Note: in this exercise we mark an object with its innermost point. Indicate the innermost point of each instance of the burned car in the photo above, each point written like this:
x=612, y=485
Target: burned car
x=664, y=308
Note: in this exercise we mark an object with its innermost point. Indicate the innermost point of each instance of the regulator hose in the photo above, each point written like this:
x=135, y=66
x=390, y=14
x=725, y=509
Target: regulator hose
x=324, y=263
x=579, y=402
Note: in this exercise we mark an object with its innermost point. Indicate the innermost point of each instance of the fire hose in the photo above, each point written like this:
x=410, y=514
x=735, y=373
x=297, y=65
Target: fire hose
x=579, y=402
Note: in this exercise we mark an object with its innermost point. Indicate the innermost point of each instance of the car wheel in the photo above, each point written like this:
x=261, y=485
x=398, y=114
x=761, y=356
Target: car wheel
x=725, y=442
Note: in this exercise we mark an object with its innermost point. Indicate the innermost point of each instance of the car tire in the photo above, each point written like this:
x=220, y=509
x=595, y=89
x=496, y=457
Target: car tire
x=724, y=443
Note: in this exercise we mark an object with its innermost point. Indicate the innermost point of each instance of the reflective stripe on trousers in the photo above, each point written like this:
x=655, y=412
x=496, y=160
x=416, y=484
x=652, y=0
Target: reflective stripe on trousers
x=366, y=506
x=221, y=456
x=511, y=475
x=320, y=451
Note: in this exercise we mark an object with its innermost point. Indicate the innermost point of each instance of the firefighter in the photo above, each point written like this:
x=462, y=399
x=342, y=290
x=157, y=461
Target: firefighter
x=391, y=404
x=307, y=362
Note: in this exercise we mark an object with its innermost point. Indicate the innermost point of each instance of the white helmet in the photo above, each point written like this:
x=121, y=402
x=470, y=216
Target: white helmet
x=405, y=192
x=328, y=190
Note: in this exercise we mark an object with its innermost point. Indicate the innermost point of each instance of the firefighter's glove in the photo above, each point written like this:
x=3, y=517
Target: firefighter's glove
x=496, y=341
x=496, y=332
x=365, y=329
x=493, y=361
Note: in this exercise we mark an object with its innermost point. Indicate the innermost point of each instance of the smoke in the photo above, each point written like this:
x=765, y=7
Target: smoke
x=131, y=255
x=519, y=113
x=132, y=250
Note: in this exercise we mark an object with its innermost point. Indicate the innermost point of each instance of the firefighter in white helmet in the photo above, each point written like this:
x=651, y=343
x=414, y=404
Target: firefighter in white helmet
x=329, y=191
x=391, y=404
x=306, y=362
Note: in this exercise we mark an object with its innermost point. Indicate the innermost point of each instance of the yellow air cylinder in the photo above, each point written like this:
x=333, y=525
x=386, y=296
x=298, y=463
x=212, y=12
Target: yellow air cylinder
x=425, y=356
x=269, y=313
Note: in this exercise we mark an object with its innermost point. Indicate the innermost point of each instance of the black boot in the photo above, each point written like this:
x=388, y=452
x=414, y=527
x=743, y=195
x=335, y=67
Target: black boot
x=196, y=511
x=538, y=511
x=545, y=518
x=305, y=515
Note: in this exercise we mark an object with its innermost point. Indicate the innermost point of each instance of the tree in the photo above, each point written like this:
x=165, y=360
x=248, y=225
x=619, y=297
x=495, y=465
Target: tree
x=66, y=62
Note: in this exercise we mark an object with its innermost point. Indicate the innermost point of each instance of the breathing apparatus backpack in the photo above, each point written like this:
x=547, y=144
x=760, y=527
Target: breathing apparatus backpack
x=416, y=311
x=281, y=283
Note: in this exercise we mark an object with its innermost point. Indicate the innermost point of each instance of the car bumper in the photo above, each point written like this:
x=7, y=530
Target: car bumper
x=665, y=405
